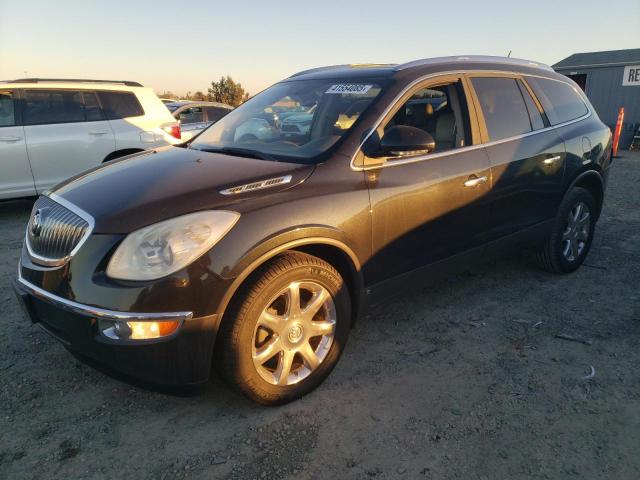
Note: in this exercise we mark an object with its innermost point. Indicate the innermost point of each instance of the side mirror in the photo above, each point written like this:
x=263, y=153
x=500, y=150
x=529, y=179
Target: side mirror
x=403, y=140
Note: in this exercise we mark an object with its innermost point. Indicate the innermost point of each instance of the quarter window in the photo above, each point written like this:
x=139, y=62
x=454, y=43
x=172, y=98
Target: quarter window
x=561, y=101
x=503, y=107
x=118, y=105
x=7, y=111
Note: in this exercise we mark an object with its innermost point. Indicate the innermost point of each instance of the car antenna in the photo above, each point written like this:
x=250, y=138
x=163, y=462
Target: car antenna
x=509, y=54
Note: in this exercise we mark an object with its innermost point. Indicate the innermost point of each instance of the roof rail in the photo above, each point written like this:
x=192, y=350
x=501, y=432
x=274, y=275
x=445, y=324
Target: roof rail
x=474, y=58
x=317, y=69
x=74, y=80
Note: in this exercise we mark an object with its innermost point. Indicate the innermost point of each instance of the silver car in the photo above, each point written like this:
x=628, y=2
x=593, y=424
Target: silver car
x=196, y=116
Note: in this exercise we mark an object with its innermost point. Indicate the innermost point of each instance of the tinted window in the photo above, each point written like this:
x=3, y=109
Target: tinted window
x=120, y=105
x=560, y=101
x=92, y=111
x=535, y=115
x=7, y=112
x=191, y=115
x=503, y=107
x=52, y=106
x=215, y=113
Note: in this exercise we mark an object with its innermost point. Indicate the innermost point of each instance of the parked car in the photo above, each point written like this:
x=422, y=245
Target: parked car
x=166, y=101
x=194, y=117
x=173, y=105
x=298, y=123
x=257, y=256
x=51, y=130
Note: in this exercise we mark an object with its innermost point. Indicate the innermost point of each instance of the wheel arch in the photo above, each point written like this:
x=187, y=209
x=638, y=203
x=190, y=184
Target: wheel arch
x=121, y=153
x=333, y=251
x=591, y=180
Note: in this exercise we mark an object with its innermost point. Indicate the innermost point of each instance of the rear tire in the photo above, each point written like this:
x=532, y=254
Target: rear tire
x=569, y=242
x=286, y=329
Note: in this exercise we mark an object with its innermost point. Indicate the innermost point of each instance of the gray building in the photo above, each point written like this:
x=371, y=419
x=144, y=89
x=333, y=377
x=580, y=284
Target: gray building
x=611, y=80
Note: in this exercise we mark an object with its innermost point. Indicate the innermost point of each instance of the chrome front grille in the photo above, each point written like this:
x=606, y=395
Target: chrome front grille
x=55, y=231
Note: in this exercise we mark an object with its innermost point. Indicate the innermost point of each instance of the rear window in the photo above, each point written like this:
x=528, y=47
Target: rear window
x=52, y=106
x=120, y=105
x=215, y=113
x=560, y=101
x=503, y=107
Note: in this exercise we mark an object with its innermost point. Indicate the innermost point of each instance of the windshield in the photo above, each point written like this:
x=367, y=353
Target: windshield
x=294, y=121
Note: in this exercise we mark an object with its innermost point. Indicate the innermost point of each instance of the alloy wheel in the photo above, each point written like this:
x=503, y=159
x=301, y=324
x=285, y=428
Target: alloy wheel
x=294, y=333
x=576, y=232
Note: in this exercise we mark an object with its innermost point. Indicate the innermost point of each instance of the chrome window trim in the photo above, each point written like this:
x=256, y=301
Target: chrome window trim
x=420, y=158
x=97, y=312
x=58, y=262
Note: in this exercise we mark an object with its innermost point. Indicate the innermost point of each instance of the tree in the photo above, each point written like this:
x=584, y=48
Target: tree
x=227, y=91
x=199, y=96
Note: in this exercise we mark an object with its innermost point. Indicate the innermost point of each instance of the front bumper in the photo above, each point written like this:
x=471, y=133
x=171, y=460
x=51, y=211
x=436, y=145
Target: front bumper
x=182, y=359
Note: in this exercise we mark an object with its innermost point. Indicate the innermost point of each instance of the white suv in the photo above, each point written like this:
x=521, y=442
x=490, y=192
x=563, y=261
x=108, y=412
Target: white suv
x=51, y=130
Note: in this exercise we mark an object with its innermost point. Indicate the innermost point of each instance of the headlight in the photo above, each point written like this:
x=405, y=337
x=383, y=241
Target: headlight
x=163, y=248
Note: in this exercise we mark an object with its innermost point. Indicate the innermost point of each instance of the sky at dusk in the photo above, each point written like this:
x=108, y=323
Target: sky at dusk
x=182, y=46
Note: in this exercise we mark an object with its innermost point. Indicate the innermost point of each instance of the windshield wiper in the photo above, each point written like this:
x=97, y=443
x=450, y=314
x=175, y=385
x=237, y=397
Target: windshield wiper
x=241, y=152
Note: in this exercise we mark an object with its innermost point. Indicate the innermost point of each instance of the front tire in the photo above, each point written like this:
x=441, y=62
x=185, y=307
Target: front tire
x=286, y=329
x=570, y=240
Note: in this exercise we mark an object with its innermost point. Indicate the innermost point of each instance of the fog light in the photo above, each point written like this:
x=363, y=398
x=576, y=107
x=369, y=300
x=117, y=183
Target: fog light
x=143, y=330
x=119, y=330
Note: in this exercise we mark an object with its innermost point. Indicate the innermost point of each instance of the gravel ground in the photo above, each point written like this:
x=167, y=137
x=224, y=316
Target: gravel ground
x=464, y=380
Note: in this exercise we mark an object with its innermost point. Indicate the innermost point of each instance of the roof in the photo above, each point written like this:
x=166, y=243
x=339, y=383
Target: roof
x=609, y=58
x=193, y=103
x=70, y=82
x=377, y=69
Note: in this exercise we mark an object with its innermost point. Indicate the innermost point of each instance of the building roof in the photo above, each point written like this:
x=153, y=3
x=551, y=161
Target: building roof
x=600, y=59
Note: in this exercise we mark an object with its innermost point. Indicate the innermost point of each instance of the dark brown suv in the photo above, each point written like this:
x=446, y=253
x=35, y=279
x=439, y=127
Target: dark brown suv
x=254, y=247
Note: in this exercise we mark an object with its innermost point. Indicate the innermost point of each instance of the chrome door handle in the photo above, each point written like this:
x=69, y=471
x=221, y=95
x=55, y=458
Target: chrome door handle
x=10, y=139
x=551, y=160
x=475, y=181
x=98, y=132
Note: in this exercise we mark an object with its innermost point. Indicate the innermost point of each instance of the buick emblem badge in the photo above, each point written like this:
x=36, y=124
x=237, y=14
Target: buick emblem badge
x=36, y=224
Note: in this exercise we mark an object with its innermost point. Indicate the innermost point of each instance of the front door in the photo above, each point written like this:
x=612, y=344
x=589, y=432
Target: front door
x=428, y=207
x=15, y=173
x=66, y=133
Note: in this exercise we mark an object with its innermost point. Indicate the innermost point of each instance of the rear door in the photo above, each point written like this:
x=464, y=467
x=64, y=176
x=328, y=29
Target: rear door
x=15, y=173
x=66, y=133
x=426, y=208
x=527, y=158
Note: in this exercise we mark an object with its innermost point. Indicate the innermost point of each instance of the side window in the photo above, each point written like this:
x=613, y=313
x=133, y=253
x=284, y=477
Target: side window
x=191, y=115
x=118, y=105
x=215, y=113
x=92, y=111
x=535, y=115
x=7, y=110
x=561, y=101
x=52, y=106
x=440, y=111
x=503, y=107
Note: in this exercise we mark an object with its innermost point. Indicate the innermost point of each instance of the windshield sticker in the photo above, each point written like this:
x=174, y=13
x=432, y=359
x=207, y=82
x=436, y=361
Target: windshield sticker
x=349, y=88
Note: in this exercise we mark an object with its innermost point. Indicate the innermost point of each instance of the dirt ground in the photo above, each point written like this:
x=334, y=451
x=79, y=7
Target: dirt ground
x=464, y=380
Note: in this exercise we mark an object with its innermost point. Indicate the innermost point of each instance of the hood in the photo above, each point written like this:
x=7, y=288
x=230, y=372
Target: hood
x=143, y=189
